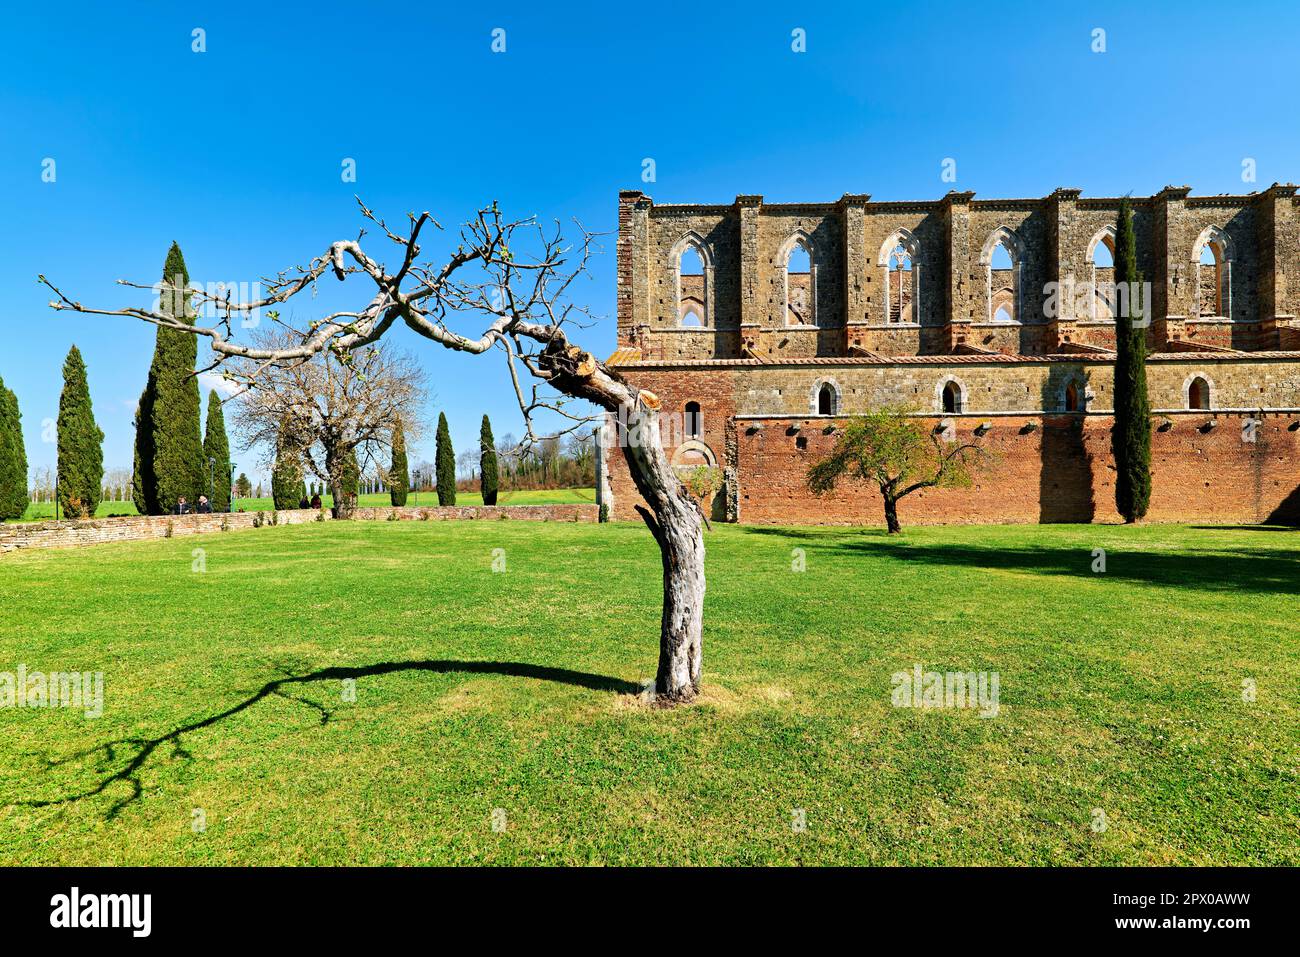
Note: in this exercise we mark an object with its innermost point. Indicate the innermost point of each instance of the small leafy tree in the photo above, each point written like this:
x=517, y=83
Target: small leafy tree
x=489, y=471
x=243, y=486
x=891, y=449
x=445, y=463
x=703, y=482
x=81, y=454
x=398, y=470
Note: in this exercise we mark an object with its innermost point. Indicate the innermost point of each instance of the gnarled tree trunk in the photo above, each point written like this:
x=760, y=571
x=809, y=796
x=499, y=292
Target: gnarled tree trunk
x=672, y=514
x=891, y=515
x=675, y=520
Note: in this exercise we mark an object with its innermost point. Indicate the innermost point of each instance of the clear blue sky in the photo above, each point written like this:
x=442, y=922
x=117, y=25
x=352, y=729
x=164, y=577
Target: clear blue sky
x=236, y=152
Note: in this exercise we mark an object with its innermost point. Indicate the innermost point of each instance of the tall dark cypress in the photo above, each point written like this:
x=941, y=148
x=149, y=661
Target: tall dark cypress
x=216, y=455
x=80, y=443
x=169, y=446
x=286, y=472
x=489, y=472
x=398, y=471
x=13, y=458
x=1131, y=432
x=444, y=463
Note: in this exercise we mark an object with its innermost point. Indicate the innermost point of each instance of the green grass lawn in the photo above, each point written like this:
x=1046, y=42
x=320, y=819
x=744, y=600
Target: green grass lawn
x=226, y=691
x=37, y=511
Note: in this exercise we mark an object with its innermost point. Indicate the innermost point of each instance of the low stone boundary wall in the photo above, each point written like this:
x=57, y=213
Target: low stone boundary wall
x=134, y=528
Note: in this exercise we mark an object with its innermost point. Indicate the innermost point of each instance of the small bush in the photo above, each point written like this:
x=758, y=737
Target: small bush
x=170, y=530
x=604, y=512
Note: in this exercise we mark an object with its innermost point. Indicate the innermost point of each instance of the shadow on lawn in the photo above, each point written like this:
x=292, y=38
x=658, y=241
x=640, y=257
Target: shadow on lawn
x=144, y=748
x=1259, y=570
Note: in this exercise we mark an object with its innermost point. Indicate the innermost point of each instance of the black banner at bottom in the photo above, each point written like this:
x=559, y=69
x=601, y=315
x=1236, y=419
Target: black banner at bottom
x=337, y=906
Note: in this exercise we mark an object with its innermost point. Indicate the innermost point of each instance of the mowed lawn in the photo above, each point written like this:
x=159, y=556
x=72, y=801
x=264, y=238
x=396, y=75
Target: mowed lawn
x=37, y=511
x=496, y=717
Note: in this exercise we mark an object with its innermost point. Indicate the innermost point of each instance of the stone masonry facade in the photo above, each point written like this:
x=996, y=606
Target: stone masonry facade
x=994, y=317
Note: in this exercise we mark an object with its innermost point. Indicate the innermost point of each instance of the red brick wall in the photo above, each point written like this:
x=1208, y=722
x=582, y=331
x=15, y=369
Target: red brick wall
x=1061, y=471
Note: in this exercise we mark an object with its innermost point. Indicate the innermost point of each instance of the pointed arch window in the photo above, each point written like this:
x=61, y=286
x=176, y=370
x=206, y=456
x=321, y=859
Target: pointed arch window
x=1198, y=393
x=1212, y=259
x=693, y=266
x=901, y=264
x=825, y=397
x=1003, y=258
x=798, y=262
x=951, y=396
x=1101, y=260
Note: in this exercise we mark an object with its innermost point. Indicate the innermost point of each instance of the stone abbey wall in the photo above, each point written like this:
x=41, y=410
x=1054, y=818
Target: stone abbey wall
x=745, y=289
x=909, y=303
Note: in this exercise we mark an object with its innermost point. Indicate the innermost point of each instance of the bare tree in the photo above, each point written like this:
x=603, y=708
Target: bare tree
x=516, y=275
x=330, y=406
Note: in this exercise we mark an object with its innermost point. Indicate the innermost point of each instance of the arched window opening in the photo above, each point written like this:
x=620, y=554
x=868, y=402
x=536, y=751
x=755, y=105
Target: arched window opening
x=826, y=400
x=1002, y=258
x=1101, y=258
x=1212, y=257
x=694, y=423
x=1198, y=394
x=901, y=265
x=800, y=302
x=1072, y=398
x=902, y=285
x=692, y=282
x=1209, y=281
x=951, y=398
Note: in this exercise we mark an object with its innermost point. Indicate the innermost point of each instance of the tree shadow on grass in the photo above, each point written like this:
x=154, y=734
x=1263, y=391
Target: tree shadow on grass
x=1258, y=570
x=136, y=751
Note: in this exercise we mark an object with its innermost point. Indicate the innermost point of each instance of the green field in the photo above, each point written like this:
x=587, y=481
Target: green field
x=37, y=511
x=225, y=694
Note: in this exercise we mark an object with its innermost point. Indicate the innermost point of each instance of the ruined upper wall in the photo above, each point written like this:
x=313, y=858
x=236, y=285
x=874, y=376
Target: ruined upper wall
x=959, y=298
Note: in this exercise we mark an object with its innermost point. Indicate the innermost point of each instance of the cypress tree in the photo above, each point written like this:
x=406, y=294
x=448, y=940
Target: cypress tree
x=80, y=443
x=397, y=470
x=169, y=460
x=217, y=447
x=489, y=473
x=243, y=487
x=1131, y=431
x=351, y=480
x=144, y=488
x=444, y=463
x=286, y=473
x=13, y=458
